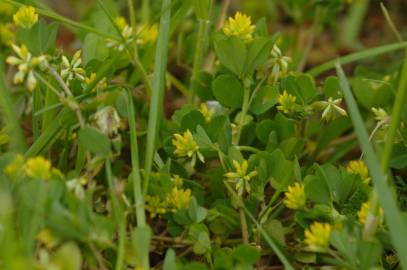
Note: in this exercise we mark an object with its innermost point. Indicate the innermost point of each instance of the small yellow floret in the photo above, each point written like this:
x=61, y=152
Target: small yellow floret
x=38, y=167
x=359, y=167
x=25, y=17
x=287, y=103
x=317, y=236
x=295, y=196
x=240, y=26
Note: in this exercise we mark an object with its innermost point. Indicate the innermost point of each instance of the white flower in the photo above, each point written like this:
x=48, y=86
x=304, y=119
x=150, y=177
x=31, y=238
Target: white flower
x=107, y=120
x=72, y=69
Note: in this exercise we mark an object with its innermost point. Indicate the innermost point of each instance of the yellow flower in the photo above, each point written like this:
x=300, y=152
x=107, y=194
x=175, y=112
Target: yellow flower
x=26, y=63
x=359, y=167
x=47, y=238
x=155, y=206
x=241, y=177
x=295, y=196
x=186, y=146
x=15, y=166
x=178, y=198
x=364, y=212
x=147, y=34
x=120, y=22
x=177, y=180
x=25, y=17
x=6, y=36
x=206, y=112
x=287, y=102
x=38, y=167
x=101, y=84
x=317, y=236
x=239, y=26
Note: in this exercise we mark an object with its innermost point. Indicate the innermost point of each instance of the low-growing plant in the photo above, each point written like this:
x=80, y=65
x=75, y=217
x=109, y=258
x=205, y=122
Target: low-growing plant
x=142, y=143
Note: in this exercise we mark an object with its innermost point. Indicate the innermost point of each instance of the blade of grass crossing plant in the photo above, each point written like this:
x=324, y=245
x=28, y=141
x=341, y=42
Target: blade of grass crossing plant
x=357, y=56
x=17, y=142
x=160, y=67
x=391, y=212
x=135, y=174
x=267, y=238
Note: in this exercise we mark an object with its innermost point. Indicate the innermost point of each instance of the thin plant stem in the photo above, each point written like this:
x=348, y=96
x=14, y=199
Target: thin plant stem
x=73, y=104
x=117, y=215
x=243, y=225
x=200, y=49
x=158, y=90
x=135, y=174
x=245, y=108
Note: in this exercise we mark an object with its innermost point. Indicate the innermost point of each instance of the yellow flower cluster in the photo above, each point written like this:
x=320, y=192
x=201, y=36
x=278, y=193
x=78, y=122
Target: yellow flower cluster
x=240, y=26
x=25, y=17
x=287, y=103
x=186, y=146
x=317, y=236
x=359, y=167
x=240, y=177
x=295, y=196
x=178, y=198
x=364, y=212
x=147, y=34
x=206, y=112
x=35, y=167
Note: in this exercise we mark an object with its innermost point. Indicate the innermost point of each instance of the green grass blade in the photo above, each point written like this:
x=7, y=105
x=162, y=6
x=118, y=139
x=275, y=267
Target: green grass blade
x=157, y=97
x=391, y=212
x=17, y=142
x=357, y=56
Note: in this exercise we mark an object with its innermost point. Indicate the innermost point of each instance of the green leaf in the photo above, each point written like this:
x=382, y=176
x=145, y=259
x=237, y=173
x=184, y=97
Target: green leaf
x=258, y=53
x=94, y=48
x=40, y=38
x=170, y=260
x=94, y=141
x=228, y=90
x=332, y=88
x=372, y=93
x=231, y=52
x=265, y=99
x=317, y=190
x=196, y=212
x=198, y=233
x=246, y=254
